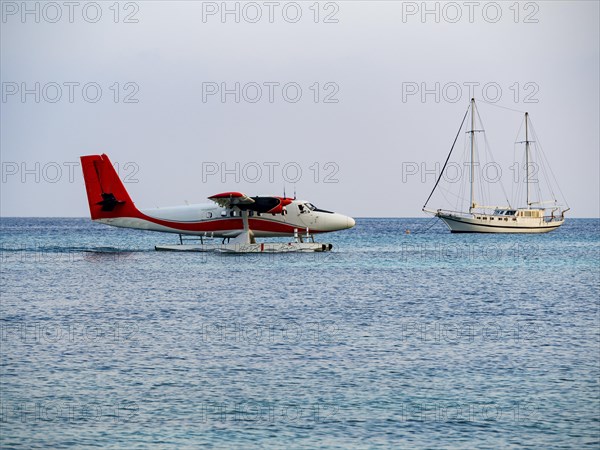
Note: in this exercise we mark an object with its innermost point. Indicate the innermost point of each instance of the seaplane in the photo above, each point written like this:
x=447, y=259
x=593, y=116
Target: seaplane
x=233, y=218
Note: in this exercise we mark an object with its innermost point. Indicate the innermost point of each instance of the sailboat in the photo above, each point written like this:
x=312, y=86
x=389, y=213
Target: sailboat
x=533, y=217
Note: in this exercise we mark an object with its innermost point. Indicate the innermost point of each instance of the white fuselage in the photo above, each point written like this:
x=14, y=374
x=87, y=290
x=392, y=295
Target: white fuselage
x=211, y=219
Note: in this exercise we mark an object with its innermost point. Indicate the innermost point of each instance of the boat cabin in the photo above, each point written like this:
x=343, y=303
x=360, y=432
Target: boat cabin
x=533, y=213
x=505, y=212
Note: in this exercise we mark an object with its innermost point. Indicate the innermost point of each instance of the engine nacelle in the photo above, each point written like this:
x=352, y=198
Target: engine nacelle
x=280, y=208
x=272, y=205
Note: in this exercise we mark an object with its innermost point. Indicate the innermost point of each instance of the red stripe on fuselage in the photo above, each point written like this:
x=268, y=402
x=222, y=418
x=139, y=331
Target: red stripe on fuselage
x=275, y=227
x=200, y=226
x=226, y=223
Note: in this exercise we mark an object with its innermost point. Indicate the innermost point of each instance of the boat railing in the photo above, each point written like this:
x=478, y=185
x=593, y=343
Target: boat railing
x=554, y=218
x=454, y=213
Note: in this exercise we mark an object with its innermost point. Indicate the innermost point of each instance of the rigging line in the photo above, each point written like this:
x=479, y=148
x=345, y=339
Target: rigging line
x=484, y=188
x=464, y=184
x=459, y=204
x=426, y=226
x=431, y=224
x=488, y=149
x=452, y=148
x=444, y=195
x=549, y=167
x=449, y=193
x=519, y=132
x=441, y=191
x=542, y=164
x=517, y=171
x=459, y=198
x=532, y=163
x=499, y=106
x=520, y=183
x=515, y=174
x=539, y=173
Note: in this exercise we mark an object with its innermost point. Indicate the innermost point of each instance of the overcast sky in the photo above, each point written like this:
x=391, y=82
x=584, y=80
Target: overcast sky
x=329, y=98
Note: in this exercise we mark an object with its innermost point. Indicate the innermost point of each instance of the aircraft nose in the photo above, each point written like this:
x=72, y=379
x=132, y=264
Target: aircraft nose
x=342, y=222
x=335, y=222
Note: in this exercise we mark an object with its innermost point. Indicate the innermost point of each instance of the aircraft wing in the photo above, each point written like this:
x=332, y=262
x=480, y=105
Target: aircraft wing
x=229, y=199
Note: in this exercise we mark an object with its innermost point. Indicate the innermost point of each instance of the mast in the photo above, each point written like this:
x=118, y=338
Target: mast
x=527, y=158
x=445, y=163
x=472, y=155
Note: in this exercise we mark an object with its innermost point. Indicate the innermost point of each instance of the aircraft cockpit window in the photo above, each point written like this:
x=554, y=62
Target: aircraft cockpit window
x=310, y=206
x=301, y=208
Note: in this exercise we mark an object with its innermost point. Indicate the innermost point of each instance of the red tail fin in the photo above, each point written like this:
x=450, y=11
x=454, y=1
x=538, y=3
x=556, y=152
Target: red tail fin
x=106, y=194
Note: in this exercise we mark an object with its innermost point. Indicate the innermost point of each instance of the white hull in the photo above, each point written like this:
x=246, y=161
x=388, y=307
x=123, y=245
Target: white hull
x=476, y=224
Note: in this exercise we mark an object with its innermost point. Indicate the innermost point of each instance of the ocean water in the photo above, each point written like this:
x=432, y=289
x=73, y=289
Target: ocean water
x=393, y=340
